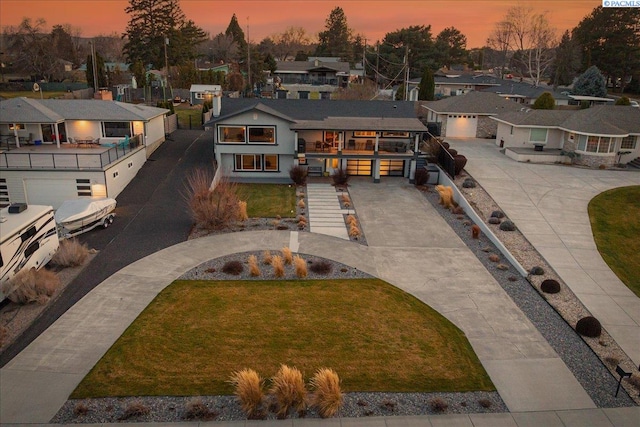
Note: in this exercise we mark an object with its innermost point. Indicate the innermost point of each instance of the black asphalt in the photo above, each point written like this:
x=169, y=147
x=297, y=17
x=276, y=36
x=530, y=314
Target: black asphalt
x=151, y=215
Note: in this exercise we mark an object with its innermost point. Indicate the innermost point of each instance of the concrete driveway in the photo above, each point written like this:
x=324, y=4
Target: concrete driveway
x=549, y=204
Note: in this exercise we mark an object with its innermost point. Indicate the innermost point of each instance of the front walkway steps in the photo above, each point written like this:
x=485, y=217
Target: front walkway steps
x=324, y=212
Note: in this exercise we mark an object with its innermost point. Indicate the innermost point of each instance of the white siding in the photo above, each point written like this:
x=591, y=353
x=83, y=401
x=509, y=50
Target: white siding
x=83, y=129
x=155, y=134
x=118, y=175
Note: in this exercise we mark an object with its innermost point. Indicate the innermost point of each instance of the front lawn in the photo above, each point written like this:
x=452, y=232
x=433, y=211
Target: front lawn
x=615, y=221
x=269, y=200
x=189, y=116
x=191, y=338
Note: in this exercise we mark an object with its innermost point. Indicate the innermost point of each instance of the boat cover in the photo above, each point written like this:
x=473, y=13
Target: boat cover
x=73, y=210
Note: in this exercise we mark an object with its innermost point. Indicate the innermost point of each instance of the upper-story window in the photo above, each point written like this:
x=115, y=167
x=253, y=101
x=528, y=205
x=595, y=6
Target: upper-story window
x=262, y=135
x=233, y=134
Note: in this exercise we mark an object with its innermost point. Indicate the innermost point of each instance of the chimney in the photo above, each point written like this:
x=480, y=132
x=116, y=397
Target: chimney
x=216, y=100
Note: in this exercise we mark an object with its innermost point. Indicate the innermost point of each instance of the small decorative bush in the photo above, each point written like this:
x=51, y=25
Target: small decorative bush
x=589, y=327
x=321, y=267
x=507, y=225
x=195, y=409
x=494, y=258
x=287, y=256
x=254, y=268
x=345, y=198
x=328, y=396
x=351, y=220
x=536, y=271
x=438, y=404
x=298, y=175
x=302, y=218
x=301, y=266
x=340, y=177
x=287, y=386
x=133, y=410
x=301, y=204
x=232, y=267
x=266, y=257
x=80, y=409
x=457, y=210
x=485, y=403
x=550, y=286
x=31, y=286
x=354, y=231
x=453, y=152
x=475, y=231
x=469, y=183
x=211, y=209
x=497, y=214
x=70, y=253
x=248, y=389
x=512, y=278
x=421, y=176
x=459, y=162
x=278, y=266
x=242, y=211
x=494, y=220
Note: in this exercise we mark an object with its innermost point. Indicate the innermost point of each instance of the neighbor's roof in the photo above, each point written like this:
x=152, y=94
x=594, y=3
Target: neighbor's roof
x=474, y=102
x=469, y=79
x=609, y=120
x=205, y=88
x=306, y=66
x=329, y=114
x=25, y=110
x=527, y=90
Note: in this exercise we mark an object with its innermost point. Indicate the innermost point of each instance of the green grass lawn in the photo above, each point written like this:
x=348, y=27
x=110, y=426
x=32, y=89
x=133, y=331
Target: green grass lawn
x=615, y=221
x=191, y=338
x=186, y=111
x=269, y=200
x=31, y=94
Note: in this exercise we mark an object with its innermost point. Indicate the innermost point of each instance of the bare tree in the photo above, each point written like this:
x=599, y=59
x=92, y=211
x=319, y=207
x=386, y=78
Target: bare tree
x=30, y=46
x=289, y=42
x=500, y=41
x=223, y=48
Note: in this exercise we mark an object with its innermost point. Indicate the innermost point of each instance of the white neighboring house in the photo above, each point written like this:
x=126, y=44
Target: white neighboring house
x=198, y=94
x=58, y=149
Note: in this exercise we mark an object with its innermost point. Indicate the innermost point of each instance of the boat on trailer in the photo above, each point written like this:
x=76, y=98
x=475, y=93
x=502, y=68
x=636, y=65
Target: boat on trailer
x=78, y=216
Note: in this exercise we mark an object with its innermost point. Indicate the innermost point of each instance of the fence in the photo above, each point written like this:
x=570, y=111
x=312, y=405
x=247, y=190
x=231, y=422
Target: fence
x=170, y=124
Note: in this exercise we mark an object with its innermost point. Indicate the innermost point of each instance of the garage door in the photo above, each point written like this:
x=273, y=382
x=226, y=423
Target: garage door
x=462, y=125
x=391, y=167
x=51, y=191
x=359, y=167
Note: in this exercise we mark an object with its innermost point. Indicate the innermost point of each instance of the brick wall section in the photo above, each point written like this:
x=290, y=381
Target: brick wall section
x=487, y=128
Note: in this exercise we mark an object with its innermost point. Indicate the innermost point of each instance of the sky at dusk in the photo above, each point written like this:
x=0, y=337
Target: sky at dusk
x=371, y=18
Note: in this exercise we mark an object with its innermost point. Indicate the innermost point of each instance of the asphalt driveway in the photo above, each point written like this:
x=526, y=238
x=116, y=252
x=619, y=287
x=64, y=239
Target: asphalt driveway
x=151, y=215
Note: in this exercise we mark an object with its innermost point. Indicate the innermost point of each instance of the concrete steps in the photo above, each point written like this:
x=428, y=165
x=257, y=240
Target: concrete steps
x=635, y=163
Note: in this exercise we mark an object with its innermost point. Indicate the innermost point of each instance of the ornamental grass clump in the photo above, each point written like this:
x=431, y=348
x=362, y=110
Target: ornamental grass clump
x=70, y=253
x=211, y=209
x=301, y=266
x=278, y=266
x=327, y=397
x=354, y=231
x=31, y=286
x=254, y=268
x=301, y=204
x=287, y=386
x=248, y=389
x=242, y=211
x=266, y=258
x=287, y=256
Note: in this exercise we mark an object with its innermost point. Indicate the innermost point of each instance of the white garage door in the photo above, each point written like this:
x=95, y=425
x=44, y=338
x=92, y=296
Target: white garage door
x=462, y=125
x=51, y=191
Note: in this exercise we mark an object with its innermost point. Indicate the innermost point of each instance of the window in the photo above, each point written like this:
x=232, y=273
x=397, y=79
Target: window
x=596, y=144
x=538, y=135
x=248, y=162
x=271, y=162
x=16, y=126
x=233, y=134
x=262, y=135
x=117, y=129
x=364, y=133
x=628, y=143
x=4, y=193
x=582, y=143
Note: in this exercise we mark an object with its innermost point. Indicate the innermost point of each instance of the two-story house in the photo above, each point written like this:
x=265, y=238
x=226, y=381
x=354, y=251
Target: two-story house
x=313, y=79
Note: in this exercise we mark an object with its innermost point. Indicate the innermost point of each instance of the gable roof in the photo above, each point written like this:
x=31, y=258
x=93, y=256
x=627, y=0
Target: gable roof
x=609, y=120
x=306, y=66
x=526, y=90
x=474, y=102
x=469, y=79
x=205, y=88
x=26, y=110
x=329, y=114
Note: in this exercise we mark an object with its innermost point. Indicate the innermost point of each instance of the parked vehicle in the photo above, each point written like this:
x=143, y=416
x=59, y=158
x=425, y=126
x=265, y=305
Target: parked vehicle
x=81, y=215
x=29, y=239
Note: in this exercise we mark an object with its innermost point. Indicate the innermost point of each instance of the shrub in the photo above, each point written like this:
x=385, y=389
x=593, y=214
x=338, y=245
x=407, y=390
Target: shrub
x=80, y=409
x=351, y=220
x=494, y=220
x=345, y=198
x=242, y=211
x=287, y=256
x=70, y=253
x=421, y=176
x=494, y=258
x=354, y=231
x=635, y=381
x=507, y=225
x=438, y=404
x=475, y=231
x=134, y=409
x=233, y=267
x=278, y=266
x=460, y=162
x=550, y=286
x=287, y=386
x=589, y=327
x=254, y=268
x=497, y=214
x=302, y=218
x=485, y=403
x=328, y=396
x=453, y=152
x=340, y=177
x=321, y=267
x=536, y=271
x=298, y=175
x=31, y=286
x=301, y=204
x=211, y=209
x=469, y=183
x=457, y=210
x=195, y=409
x=248, y=388
x=301, y=266
x=266, y=257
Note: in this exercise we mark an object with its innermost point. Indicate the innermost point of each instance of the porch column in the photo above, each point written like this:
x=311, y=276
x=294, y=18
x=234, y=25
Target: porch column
x=376, y=169
x=15, y=135
x=414, y=162
x=56, y=135
x=295, y=144
x=375, y=148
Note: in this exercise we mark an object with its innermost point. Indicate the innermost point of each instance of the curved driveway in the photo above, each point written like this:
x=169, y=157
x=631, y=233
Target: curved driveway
x=549, y=204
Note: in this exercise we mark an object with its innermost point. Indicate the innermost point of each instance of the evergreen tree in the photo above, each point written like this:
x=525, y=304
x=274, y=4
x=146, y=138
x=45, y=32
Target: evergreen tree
x=545, y=102
x=235, y=32
x=566, y=62
x=139, y=73
x=336, y=39
x=591, y=83
x=623, y=101
x=451, y=46
x=427, y=86
x=100, y=71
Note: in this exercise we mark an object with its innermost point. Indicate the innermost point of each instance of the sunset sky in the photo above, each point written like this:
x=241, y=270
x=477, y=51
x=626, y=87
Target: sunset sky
x=372, y=18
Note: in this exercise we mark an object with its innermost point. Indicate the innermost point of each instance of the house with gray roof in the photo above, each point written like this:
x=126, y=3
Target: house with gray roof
x=52, y=150
x=526, y=93
x=600, y=135
x=316, y=78
x=261, y=139
x=467, y=116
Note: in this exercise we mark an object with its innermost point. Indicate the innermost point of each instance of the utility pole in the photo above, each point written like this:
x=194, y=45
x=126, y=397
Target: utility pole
x=377, y=64
x=166, y=70
x=94, y=67
x=364, y=67
x=249, y=59
x=406, y=79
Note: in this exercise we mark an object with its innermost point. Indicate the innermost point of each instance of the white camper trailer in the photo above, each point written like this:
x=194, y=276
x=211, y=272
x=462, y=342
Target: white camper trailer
x=29, y=239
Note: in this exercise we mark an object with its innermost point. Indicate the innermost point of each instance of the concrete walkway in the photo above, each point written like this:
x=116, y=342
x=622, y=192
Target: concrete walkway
x=324, y=212
x=549, y=204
